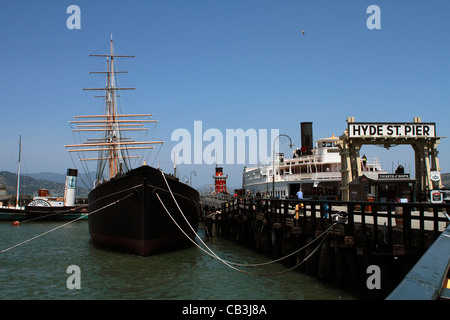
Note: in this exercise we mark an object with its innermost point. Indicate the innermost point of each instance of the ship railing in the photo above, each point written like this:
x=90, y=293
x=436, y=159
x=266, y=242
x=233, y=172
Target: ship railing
x=428, y=279
x=309, y=176
x=310, y=159
x=372, y=163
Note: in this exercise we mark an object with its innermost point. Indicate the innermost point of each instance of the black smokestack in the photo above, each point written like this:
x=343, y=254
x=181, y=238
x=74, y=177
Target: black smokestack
x=307, y=137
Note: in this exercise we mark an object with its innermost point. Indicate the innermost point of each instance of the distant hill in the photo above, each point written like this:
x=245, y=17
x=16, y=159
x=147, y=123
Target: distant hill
x=58, y=177
x=446, y=180
x=30, y=185
x=55, y=177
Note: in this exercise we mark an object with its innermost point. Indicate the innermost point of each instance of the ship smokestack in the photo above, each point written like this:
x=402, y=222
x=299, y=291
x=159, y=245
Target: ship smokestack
x=69, y=190
x=307, y=137
x=220, y=181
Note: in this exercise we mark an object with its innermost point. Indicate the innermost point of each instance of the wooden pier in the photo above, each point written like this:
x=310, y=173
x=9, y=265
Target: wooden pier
x=392, y=236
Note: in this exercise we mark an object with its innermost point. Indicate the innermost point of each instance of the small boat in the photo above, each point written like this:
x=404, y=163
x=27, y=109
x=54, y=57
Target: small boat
x=142, y=210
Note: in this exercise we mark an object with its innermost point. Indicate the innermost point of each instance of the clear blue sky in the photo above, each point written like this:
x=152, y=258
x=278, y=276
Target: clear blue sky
x=231, y=64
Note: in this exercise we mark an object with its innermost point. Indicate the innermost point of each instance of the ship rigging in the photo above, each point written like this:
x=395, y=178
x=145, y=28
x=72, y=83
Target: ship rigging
x=113, y=146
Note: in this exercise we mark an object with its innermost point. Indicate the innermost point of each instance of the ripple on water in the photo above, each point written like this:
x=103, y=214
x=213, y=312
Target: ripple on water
x=37, y=270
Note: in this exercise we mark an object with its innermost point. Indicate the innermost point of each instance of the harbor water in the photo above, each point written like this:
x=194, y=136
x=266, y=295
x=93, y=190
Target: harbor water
x=38, y=270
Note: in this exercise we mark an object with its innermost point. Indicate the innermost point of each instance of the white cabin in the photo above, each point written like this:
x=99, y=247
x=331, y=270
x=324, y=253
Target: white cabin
x=318, y=174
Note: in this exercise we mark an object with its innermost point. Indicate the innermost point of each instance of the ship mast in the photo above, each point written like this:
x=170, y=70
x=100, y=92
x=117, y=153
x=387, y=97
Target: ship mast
x=18, y=174
x=111, y=110
x=113, y=147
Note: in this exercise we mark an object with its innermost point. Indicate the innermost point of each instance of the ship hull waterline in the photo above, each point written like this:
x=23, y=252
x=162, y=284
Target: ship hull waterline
x=126, y=214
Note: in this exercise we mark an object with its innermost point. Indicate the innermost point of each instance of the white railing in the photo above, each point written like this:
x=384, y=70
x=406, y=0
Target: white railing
x=308, y=176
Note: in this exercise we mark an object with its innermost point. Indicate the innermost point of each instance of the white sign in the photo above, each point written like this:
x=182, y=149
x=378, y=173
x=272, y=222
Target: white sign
x=392, y=130
x=435, y=176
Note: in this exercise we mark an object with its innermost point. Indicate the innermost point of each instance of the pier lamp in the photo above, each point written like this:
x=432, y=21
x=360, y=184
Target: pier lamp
x=190, y=178
x=273, y=162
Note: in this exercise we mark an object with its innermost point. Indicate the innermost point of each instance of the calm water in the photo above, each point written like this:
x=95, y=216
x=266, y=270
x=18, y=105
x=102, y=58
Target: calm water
x=38, y=270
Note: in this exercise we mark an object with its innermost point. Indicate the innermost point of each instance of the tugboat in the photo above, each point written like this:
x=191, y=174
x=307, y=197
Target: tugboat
x=143, y=210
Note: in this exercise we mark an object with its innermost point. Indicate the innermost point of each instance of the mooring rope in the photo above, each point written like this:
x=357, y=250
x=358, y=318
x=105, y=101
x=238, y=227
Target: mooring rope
x=309, y=256
x=232, y=264
x=211, y=252
x=326, y=232
x=52, y=214
x=65, y=224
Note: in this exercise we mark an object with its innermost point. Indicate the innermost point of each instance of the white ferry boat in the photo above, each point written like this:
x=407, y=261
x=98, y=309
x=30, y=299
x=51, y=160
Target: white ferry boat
x=316, y=172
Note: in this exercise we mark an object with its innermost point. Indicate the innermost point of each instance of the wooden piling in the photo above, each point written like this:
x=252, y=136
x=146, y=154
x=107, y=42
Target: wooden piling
x=341, y=268
x=312, y=263
x=326, y=265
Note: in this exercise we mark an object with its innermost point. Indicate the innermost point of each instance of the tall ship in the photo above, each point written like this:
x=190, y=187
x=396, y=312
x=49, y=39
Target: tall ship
x=138, y=210
x=313, y=169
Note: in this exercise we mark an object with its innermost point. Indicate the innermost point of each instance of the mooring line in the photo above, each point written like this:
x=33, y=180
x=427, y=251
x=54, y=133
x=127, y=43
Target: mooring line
x=65, y=224
x=232, y=264
x=212, y=254
x=326, y=232
x=40, y=235
x=304, y=260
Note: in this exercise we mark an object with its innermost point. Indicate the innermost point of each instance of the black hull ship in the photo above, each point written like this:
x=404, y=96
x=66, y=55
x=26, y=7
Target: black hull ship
x=138, y=221
x=142, y=210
